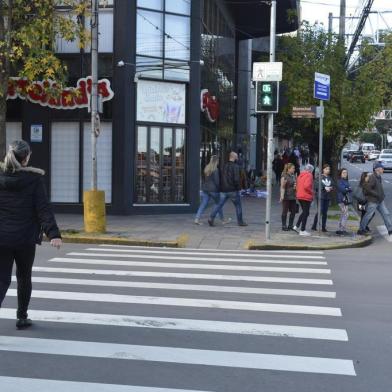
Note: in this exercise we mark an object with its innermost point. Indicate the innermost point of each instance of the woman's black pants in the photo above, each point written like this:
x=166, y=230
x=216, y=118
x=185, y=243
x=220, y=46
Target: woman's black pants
x=303, y=218
x=23, y=257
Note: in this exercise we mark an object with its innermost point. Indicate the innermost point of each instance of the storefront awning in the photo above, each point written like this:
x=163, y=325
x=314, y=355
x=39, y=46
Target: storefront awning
x=252, y=17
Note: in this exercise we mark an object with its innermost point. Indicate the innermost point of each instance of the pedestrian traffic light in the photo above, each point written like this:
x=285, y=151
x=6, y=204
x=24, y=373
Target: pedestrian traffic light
x=267, y=97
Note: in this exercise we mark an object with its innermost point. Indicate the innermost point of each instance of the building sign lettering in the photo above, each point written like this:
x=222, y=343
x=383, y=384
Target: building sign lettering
x=69, y=98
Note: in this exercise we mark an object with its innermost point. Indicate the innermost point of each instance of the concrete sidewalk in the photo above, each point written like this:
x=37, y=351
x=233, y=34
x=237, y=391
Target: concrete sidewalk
x=179, y=230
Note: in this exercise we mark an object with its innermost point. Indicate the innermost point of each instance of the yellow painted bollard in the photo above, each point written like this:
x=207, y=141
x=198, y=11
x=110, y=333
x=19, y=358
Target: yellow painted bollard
x=94, y=211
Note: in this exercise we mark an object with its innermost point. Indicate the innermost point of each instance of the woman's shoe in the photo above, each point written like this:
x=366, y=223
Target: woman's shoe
x=226, y=221
x=23, y=323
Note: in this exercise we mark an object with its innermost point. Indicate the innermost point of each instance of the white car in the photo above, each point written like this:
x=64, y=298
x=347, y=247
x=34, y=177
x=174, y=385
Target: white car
x=386, y=160
x=386, y=151
x=373, y=155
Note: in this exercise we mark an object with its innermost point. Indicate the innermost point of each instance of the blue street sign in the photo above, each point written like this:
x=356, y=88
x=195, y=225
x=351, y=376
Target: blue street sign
x=322, y=86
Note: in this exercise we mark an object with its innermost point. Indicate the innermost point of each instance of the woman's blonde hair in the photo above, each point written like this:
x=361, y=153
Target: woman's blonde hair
x=287, y=166
x=17, y=152
x=212, y=165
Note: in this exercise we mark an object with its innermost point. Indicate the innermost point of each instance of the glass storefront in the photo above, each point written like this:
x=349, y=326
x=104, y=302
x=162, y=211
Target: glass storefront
x=160, y=165
x=218, y=76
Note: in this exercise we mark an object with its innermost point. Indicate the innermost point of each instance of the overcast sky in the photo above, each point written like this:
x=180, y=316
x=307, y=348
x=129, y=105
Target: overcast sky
x=317, y=10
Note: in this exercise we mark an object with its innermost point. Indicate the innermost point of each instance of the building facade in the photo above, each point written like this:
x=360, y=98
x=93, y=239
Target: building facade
x=172, y=93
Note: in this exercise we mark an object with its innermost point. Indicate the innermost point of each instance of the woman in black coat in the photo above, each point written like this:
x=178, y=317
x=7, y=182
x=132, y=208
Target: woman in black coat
x=25, y=214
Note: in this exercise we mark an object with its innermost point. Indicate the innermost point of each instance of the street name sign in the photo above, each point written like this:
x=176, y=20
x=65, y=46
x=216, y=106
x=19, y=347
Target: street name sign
x=267, y=72
x=322, y=86
x=307, y=112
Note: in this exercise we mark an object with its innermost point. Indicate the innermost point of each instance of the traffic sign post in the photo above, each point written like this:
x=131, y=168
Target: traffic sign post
x=267, y=72
x=322, y=91
x=267, y=97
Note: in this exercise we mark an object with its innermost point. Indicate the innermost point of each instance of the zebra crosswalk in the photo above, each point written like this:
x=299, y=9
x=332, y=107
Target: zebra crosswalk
x=159, y=314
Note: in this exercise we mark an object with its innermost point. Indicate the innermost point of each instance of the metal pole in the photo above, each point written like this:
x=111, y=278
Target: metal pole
x=94, y=91
x=342, y=20
x=270, y=151
x=320, y=164
x=330, y=21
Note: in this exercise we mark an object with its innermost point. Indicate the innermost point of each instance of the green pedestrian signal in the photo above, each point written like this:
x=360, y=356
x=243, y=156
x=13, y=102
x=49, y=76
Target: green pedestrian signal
x=267, y=97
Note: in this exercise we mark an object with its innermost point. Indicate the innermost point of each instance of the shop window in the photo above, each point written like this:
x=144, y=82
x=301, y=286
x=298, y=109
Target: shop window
x=178, y=6
x=149, y=40
x=160, y=165
x=163, y=39
x=104, y=156
x=65, y=162
x=180, y=165
x=105, y=27
x=13, y=132
x=177, y=41
x=152, y=4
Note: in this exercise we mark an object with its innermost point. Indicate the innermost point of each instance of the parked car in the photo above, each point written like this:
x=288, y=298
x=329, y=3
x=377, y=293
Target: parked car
x=386, y=151
x=356, y=156
x=373, y=155
x=345, y=153
x=367, y=147
x=386, y=160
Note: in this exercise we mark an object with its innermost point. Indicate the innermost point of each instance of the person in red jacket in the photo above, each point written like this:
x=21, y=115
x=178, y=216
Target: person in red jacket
x=305, y=195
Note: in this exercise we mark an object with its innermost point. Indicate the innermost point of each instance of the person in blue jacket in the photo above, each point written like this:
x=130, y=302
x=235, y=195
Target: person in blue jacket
x=344, y=199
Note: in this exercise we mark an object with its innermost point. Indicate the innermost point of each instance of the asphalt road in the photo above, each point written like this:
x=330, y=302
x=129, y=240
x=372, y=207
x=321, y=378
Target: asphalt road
x=116, y=319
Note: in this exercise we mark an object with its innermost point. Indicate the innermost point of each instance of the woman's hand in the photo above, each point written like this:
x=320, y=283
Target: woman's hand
x=56, y=242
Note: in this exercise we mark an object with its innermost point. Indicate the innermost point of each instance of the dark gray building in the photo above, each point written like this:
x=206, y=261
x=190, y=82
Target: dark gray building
x=174, y=88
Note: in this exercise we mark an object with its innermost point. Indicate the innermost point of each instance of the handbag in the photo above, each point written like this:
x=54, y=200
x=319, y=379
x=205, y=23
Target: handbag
x=358, y=195
x=347, y=199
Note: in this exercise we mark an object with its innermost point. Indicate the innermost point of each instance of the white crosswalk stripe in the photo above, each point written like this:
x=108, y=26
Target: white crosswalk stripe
x=178, y=355
x=271, y=279
x=185, y=324
x=164, y=296
x=18, y=384
x=185, y=287
x=184, y=302
x=187, y=266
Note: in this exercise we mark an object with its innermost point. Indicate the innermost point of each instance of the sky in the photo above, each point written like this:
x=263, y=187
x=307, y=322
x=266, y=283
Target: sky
x=318, y=10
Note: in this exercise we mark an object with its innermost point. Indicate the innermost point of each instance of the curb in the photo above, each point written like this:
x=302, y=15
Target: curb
x=274, y=246
x=179, y=242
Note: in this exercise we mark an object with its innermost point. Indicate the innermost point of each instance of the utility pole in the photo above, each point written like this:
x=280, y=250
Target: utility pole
x=330, y=21
x=342, y=20
x=94, y=92
x=94, y=200
x=270, y=152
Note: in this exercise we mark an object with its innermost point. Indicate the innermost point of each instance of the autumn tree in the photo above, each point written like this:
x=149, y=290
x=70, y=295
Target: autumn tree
x=356, y=95
x=28, y=32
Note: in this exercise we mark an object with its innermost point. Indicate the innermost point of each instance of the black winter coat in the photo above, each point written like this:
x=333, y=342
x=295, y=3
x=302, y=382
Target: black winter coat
x=212, y=183
x=231, y=179
x=25, y=211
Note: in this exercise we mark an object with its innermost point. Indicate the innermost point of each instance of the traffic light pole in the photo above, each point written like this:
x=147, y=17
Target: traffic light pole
x=270, y=152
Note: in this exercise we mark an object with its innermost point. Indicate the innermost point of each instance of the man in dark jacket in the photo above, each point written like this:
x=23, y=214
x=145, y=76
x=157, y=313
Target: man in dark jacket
x=230, y=188
x=373, y=191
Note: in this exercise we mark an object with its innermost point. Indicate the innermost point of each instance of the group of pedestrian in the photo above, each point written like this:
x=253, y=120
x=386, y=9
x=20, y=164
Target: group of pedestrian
x=221, y=185
x=300, y=191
